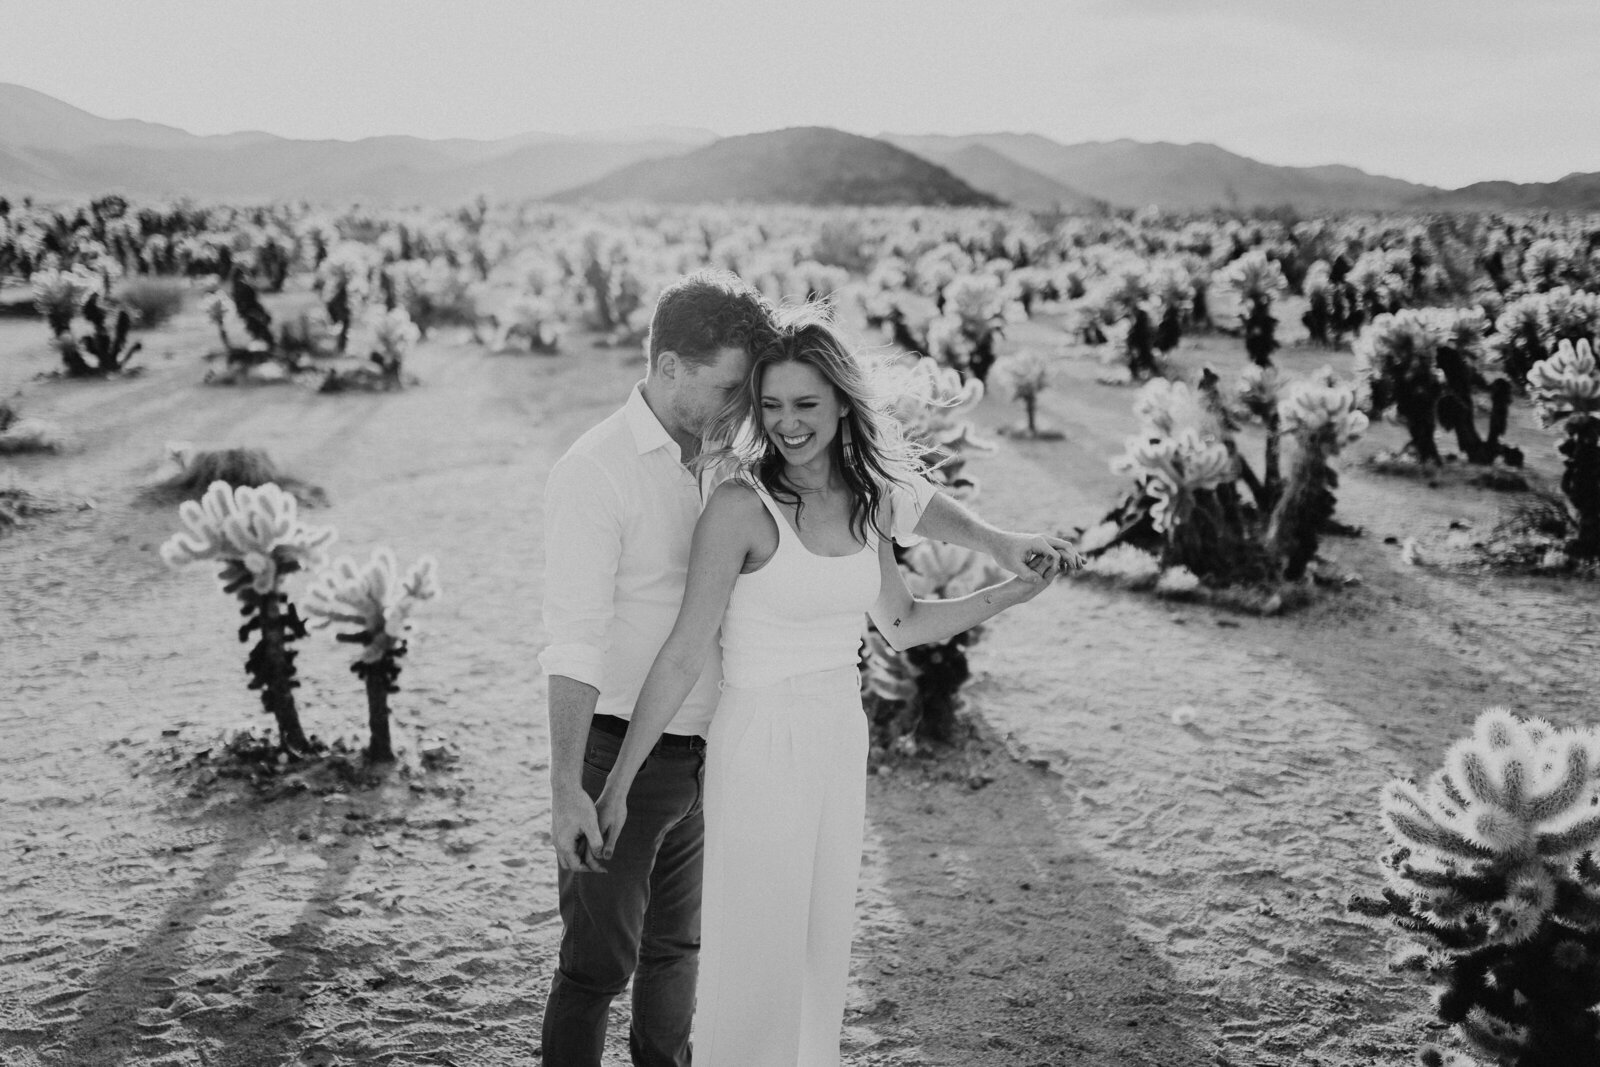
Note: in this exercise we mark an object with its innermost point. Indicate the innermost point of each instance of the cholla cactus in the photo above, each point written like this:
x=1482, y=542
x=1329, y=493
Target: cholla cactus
x=257, y=535
x=1547, y=263
x=1320, y=416
x=1257, y=280
x=58, y=294
x=1529, y=328
x=932, y=402
x=1494, y=869
x=1320, y=407
x=394, y=335
x=1566, y=388
x=913, y=694
x=1022, y=377
x=1397, y=355
x=973, y=318
x=1567, y=384
x=378, y=602
x=1173, y=469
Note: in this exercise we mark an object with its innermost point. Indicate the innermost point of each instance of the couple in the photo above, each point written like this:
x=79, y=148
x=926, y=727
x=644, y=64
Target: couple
x=651, y=564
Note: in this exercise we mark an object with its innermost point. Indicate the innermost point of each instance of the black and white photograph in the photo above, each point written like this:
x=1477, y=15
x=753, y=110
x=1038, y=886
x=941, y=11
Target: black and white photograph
x=756, y=534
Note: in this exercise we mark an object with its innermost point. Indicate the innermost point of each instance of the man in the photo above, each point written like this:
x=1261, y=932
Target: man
x=620, y=511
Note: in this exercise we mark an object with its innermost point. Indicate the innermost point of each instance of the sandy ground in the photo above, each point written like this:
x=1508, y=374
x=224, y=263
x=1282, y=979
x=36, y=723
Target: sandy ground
x=1084, y=883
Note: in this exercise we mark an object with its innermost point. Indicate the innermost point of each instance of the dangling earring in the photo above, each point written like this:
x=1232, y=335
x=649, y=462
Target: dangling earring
x=847, y=436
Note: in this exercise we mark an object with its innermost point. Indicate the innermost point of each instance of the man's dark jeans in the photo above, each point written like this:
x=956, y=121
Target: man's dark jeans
x=641, y=918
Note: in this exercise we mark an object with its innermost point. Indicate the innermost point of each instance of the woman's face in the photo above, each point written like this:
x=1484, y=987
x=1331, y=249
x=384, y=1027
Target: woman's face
x=800, y=411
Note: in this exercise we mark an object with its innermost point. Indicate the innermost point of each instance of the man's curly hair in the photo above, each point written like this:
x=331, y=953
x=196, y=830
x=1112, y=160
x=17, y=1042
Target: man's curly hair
x=702, y=313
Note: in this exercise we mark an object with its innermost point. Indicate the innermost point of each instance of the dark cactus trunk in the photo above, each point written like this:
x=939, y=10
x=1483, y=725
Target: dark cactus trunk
x=379, y=747
x=271, y=662
x=1580, y=481
x=1416, y=405
x=1141, y=345
x=381, y=677
x=1260, y=333
x=1303, y=510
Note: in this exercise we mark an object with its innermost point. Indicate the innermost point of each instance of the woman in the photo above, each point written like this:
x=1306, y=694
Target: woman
x=788, y=556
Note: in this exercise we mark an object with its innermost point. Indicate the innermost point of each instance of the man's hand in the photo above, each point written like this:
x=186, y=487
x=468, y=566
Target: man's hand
x=613, y=813
x=575, y=829
x=1035, y=557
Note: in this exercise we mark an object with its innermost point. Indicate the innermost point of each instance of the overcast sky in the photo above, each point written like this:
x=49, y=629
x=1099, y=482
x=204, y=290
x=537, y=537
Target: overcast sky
x=1439, y=91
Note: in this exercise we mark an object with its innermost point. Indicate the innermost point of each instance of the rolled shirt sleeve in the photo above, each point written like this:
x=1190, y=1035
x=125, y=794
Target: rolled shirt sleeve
x=582, y=548
x=907, y=503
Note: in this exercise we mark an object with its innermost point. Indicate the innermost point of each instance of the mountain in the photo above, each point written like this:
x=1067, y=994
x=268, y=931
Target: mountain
x=801, y=165
x=51, y=149
x=1180, y=177
x=1575, y=192
x=983, y=168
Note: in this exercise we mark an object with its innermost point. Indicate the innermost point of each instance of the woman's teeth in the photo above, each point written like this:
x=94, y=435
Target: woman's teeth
x=795, y=442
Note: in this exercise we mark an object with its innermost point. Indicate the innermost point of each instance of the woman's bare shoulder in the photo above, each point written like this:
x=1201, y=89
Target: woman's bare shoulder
x=733, y=502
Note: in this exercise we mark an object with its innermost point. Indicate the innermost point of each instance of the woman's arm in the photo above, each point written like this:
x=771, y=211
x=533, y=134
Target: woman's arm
x=723, y=537
x=905, y=621
x=1028, y=556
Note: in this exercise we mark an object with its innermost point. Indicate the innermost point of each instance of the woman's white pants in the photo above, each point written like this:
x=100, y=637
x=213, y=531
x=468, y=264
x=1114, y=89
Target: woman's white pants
x=785, y=804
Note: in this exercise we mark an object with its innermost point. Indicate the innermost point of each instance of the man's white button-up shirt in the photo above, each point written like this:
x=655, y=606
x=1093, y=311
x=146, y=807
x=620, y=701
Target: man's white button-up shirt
x=619, y=516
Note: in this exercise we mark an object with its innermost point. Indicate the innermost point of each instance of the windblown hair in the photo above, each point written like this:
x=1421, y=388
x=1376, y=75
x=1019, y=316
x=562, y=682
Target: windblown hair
x=870, y=451
x=702, y=313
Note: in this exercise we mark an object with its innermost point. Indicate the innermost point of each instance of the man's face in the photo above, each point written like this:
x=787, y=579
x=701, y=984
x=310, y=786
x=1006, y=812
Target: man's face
x=701, y=392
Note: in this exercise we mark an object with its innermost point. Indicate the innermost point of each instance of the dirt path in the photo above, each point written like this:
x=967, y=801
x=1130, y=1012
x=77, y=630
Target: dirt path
x=1089, y=883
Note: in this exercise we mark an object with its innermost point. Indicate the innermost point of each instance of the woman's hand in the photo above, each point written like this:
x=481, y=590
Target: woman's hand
x=1021, y=590
x=612, y=809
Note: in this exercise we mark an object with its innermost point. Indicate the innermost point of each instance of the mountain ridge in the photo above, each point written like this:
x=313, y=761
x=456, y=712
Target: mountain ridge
x=52, y=149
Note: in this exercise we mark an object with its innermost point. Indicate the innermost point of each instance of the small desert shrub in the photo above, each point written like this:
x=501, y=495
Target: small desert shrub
x=28, y=435
x=199, y=469
x=151, y=301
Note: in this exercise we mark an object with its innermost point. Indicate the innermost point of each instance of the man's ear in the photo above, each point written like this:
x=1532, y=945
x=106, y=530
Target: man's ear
x=668, y=365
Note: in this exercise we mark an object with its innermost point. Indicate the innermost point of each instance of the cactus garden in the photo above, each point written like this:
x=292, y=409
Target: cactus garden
x=1334, y=504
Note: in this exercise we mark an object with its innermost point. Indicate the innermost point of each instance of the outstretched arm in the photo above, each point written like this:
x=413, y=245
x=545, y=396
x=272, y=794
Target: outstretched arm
x=1030, y=557
x=905, y=621
x=722, y=539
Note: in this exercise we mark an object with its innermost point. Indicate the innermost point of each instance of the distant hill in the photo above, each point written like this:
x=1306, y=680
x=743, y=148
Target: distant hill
x=1180, y=177
x=802, y=165
x=987, y=170
x=1575, y=192
x=50, y=149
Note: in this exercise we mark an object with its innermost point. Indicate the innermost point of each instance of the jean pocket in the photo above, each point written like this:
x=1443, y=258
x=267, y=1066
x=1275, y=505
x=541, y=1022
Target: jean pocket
x=600, y=752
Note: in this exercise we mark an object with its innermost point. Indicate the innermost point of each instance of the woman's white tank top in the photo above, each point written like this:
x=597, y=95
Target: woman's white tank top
x=800, y=613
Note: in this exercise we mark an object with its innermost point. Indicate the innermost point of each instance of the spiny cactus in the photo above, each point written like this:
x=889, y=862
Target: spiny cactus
x=931, y=402
x=1566, y=388
x=1494, y=870
x=913, y=694
x=1022, y=377
x=1257, y=280
x=109, y=347
x=257, y=535
x=1319, y=415
x=378, y=602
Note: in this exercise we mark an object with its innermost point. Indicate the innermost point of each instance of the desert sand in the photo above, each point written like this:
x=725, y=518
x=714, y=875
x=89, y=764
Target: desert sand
x=1090, y=879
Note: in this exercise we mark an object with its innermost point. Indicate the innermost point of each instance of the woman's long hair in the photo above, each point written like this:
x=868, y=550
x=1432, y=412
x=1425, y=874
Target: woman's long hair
x=870, y=451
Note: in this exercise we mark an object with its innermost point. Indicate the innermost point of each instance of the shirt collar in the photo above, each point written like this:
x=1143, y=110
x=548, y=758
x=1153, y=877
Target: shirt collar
x=648, y=433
